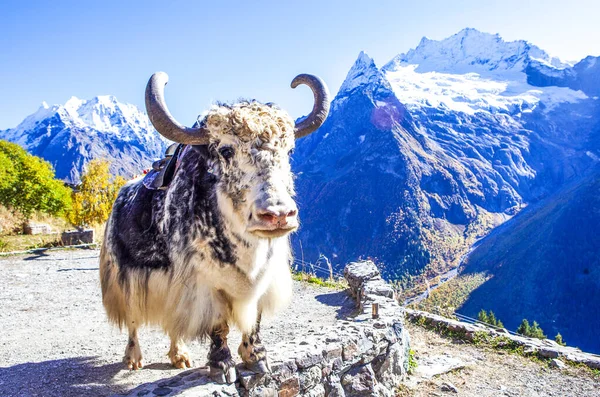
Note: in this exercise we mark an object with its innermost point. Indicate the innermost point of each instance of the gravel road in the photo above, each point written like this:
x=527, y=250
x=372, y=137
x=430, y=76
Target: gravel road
x=55, y=340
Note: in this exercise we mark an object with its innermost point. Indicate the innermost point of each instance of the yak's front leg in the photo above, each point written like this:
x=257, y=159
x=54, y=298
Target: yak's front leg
x=133, y=352
x=252, y=351
x=222, y=366
x=178, y=353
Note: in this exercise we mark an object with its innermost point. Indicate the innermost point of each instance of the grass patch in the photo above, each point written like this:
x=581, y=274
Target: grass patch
x=312, y=279
x=23, y=242
x=451, y=295
x=412, y=362
x=403, y=391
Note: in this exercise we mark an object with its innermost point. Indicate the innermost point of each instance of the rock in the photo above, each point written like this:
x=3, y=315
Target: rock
x=332, y=351
x=310, y=377
x=360, y=381
x=447, y=386
x=309, y=359
x=283, y=370
x=248, y=379
x=530, y=350
x=437, y=365
x=349, y=350
x=591, y=362
x=556, y=363
x=290, y=387
x=36, y=228
x=548, y=353
x=379, y=288
x=74, y=237
x=262, y=391
x=356, y=273
x=221, y=377
x=333, y=387
x=389, y=368
x=317, y=391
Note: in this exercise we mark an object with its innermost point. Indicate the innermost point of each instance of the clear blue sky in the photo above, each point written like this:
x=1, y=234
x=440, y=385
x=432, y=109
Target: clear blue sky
x=52, y=50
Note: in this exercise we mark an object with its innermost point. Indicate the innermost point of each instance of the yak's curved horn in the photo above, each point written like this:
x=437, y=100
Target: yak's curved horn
x=321, y=107
x=162, y=119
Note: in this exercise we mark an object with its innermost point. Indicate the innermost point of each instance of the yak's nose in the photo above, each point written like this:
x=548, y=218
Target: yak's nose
x=277, y=216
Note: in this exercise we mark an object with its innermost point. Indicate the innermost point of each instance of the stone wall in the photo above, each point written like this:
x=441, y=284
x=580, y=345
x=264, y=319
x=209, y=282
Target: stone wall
x=358, y=356
x=543, y=348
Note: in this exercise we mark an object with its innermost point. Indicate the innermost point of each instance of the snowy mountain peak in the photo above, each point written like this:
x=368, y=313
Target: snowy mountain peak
x=364, y=71
x=72, y=134
x=473, y=51
x=101, y=114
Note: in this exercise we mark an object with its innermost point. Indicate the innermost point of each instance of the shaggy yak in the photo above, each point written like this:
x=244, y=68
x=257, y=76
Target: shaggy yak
x=212, y=249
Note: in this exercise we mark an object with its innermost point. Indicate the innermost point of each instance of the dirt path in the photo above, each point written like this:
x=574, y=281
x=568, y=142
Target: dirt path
x=55, y=340
x=488, y=372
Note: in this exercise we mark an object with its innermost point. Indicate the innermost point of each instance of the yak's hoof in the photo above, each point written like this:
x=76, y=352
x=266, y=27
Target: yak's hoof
x=133, y=364
x=259, y=367
x=133, y=355
x=223, y=372
x=181, y=361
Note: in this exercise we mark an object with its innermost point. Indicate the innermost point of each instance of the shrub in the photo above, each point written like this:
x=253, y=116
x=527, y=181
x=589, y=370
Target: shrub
x=559, y=339
x=94, y=197
x=412, y=362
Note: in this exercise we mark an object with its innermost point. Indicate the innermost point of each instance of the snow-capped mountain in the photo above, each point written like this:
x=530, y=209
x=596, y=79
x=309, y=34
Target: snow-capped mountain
x=421, y=156
x=70, y=135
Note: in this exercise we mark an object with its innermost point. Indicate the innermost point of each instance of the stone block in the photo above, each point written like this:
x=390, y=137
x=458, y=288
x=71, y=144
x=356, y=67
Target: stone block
x=75, y=237
x=290, y=387
x=310, y=377
x=34, y=228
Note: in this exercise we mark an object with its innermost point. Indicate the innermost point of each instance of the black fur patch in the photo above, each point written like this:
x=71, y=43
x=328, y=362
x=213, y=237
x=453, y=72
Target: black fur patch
x=138, y=239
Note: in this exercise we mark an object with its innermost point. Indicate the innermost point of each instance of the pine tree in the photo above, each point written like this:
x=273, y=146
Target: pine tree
x=536, y=331
x=492, y=318
x=558, y=339
x=482, y=316
x=524, y=328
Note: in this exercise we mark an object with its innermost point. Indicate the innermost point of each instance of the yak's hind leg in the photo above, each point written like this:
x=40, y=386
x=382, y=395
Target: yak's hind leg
x=178, y=353
x=222, y=366
x=252, y=351
x=133, y=352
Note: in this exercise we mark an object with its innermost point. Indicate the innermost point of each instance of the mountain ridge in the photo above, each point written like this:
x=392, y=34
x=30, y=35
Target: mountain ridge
x=72, y=134
x=474, y=149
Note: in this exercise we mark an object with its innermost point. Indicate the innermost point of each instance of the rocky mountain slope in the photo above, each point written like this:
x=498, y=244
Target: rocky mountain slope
x=544, y=262
x=70, y=135
x=420, y=157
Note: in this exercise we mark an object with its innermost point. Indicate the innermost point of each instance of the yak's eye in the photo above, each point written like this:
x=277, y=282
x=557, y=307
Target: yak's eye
x=227, y=152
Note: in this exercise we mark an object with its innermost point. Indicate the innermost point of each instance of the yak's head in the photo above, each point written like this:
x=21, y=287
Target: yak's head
x=248, y=146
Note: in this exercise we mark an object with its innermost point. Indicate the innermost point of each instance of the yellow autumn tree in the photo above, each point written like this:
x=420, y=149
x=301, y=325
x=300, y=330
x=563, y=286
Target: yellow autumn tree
x=94, y=197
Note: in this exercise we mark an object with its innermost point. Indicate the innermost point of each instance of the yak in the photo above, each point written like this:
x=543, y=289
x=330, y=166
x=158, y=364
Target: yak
x=210, y=250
